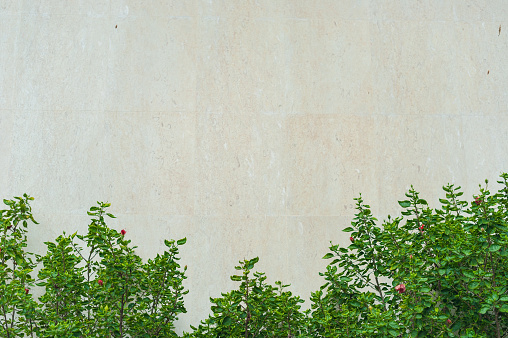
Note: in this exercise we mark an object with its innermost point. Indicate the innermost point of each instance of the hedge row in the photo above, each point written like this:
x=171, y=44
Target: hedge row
x=429, y=273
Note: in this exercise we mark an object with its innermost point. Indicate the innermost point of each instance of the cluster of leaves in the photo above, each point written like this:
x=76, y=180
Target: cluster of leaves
x=255, y=309
x=428, y=273
x=17, y=307
x=102, y=289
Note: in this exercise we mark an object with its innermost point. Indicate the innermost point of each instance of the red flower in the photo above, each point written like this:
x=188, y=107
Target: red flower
x=421, y=227
x=401, y=288
x=100, y=282
x=351, y=239
x=448, y=321
x=123, y=232
x=477, y=200
x=27, y=290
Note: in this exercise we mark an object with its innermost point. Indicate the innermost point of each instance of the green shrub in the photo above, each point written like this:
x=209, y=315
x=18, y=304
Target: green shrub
x=255, y=309
x=17, y=308
x=429, y=273
x=101, y=290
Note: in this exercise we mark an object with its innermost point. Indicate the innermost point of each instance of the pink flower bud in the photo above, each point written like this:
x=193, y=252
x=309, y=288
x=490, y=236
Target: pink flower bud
x=100, y=282
x=401, y=288
x=351, y=239
x=410, y=256
x=27, y=291
x=123, y=232
x=482, y=229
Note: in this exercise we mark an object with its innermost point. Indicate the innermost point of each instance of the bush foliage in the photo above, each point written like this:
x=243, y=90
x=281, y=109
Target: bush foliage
x=95, y=285
x=429, y=273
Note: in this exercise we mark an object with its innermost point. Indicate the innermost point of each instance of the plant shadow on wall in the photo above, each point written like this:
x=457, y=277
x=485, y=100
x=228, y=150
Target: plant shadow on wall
x=429, y=273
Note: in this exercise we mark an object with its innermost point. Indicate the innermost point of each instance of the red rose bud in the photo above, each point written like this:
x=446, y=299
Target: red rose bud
x=448, y=321
x=100, y=282
x=410, y=256
x=123, y=232
x=401, y=288
x=351, y=239
x=477, y=200
x=27, y=290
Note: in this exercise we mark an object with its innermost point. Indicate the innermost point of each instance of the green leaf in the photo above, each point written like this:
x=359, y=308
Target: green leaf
x=484, y=309
x=494, y=247
x=328, y=256
x=182, y=241
x=348, y=229
x=473, y=285
x=393, y=325
x=227, y=321
x=254, y=260
x=404, y=204
x=469, y=274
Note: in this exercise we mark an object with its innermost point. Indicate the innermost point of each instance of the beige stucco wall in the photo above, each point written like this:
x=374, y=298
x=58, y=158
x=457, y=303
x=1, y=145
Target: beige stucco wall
x=246, y=126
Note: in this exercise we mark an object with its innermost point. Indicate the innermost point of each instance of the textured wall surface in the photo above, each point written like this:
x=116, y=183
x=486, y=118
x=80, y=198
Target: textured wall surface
x=246, y=126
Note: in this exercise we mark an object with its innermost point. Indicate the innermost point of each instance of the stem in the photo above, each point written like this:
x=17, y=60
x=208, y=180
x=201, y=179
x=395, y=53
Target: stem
x=247, y=307
x=496, y=311
x=31, y=328
x=498, y=328
x=13, y=313
x=88, y=262
x=426, y=247
x=14, y=264
x=5, y=321
x=122, y=304
x=157, y=298
x=378, y=287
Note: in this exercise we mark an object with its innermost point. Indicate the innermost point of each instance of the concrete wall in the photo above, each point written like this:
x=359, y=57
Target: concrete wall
x=247, y=126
